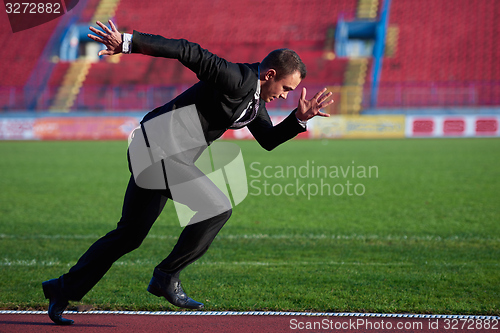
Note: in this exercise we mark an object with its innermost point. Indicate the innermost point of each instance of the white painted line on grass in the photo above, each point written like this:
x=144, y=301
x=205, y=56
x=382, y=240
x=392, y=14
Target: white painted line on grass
x=146, y=262
x=429, y=238
x=34, y=262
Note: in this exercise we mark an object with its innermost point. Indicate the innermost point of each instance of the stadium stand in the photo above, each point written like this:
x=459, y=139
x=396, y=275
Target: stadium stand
x=438, y=53
x=225, y=28
x=446, y=54
x=19, y=54
x=24, y=49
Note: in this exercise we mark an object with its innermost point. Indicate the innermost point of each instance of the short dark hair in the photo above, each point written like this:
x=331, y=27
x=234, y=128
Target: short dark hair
x=284, y=62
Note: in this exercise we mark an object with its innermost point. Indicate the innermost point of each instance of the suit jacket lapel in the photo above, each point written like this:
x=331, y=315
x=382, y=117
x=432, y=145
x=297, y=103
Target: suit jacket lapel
x=247, y=100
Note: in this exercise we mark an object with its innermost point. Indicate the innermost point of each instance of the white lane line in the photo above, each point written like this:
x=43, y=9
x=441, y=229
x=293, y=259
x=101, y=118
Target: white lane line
x=259, y=313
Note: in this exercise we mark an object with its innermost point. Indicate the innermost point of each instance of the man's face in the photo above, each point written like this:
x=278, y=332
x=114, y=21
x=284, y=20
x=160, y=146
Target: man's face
x=271, y=88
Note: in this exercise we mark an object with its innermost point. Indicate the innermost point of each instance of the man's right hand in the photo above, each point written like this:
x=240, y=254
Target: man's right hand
x=111, y=38
x=308, y=109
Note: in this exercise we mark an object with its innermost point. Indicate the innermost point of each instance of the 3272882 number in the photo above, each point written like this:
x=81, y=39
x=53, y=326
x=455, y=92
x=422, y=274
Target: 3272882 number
x=470, y=324
x=33, y=8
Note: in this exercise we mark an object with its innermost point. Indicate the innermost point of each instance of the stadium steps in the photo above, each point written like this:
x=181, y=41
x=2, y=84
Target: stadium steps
x=367, y=9
x=105, y=10
x=391, y=41
x=78, y=70
x=352, y=89
x=329, y=47
x=70, y=87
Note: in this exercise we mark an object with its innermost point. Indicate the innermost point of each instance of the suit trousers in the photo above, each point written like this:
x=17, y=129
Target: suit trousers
x=141, y=208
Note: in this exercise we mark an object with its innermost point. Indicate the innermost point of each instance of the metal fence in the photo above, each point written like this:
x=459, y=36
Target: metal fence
x=436, y=94
x=348, y=100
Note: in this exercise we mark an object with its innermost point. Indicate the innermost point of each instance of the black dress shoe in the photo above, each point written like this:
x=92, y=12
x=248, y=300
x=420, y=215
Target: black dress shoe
x=57, y=302
x=168, y=286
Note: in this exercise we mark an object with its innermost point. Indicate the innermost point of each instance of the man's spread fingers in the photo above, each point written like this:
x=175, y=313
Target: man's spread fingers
x=303, y=95
x=97, y=31
x=104, y=52
x=113, y=27
x=319, y=94
x=103, y=26
x=326, y=104
x=97, y=39
x=99, y=23
x=325, y=97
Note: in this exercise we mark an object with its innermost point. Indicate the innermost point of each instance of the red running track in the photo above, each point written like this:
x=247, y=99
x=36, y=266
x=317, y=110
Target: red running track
x=121, y=323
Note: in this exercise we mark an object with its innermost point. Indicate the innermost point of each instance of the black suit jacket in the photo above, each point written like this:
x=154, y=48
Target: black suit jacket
x=221, y=95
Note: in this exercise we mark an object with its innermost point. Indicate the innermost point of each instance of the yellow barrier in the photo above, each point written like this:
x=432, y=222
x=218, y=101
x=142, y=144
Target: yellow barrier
x=337, y=126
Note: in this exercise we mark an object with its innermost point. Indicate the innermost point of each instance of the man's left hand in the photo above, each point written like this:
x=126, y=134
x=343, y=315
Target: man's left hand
x=308, y=109
x=111, y=38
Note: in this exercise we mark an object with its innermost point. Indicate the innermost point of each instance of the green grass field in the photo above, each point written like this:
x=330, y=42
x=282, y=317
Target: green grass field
x=422, y=238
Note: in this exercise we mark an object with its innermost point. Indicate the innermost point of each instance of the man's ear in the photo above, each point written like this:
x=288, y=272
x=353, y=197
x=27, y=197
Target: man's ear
x=270, y=74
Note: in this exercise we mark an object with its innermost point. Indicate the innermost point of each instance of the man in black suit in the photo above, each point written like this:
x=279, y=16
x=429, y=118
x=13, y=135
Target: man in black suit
x=228, y=96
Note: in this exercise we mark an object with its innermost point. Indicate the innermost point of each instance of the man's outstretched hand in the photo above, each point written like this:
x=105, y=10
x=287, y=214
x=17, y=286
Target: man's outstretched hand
x=311, y=108
x=111, y=38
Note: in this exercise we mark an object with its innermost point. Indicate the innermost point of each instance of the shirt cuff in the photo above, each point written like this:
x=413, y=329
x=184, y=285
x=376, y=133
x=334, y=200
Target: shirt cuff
x=127, y=43
x=302, y=123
